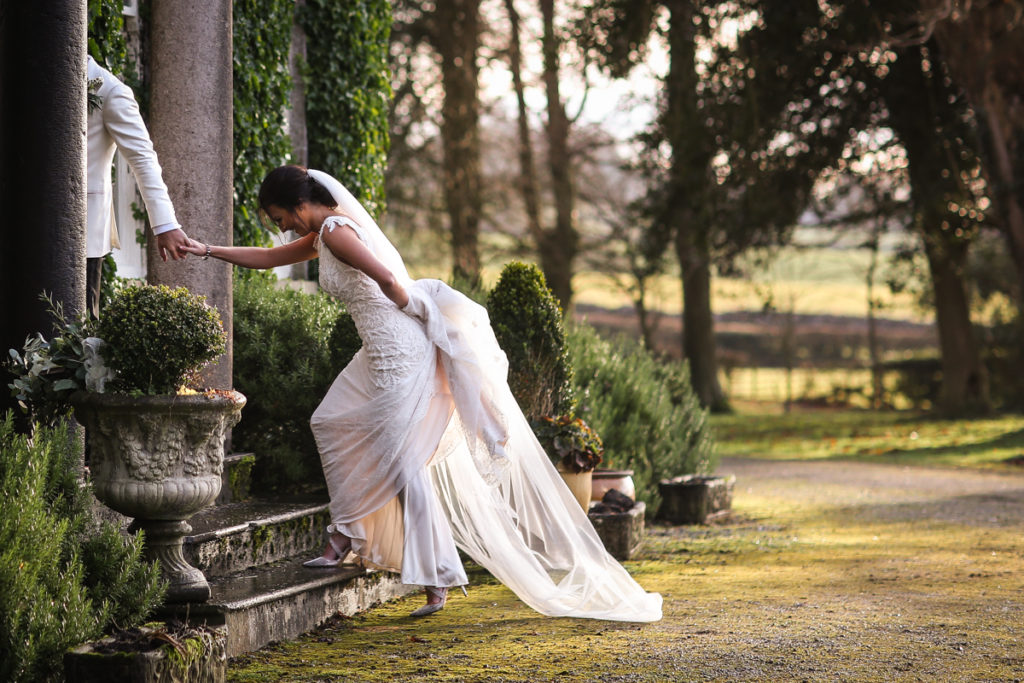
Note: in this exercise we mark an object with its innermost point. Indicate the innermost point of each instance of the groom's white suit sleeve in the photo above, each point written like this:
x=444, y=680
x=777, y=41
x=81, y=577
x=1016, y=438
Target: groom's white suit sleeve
x=118, y=124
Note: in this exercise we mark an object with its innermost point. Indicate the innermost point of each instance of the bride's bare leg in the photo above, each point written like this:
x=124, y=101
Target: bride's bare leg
x=337, y=547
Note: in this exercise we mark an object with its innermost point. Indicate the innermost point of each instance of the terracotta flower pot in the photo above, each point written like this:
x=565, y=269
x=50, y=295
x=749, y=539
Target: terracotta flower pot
x=159, y=459
x=580, y=485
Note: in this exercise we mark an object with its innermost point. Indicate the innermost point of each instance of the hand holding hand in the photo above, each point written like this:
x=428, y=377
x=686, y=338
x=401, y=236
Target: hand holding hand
x=173, y=242
x=194, y=247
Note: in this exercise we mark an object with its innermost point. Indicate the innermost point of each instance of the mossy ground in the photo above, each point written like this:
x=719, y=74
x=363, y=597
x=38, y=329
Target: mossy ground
x=827, y=571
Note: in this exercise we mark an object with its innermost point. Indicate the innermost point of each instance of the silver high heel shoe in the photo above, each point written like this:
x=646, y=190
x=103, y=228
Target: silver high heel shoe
x=430, y=608
x=323, y=562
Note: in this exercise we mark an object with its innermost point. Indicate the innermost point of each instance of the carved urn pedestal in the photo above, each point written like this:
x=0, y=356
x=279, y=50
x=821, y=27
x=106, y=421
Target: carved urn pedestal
x=159, y=460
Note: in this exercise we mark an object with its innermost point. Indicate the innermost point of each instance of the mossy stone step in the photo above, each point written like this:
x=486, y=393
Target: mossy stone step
x=236, y=479
x=282, y=600
x=230, y=538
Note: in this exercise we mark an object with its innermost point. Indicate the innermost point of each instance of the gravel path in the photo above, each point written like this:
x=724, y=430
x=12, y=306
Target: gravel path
x=912, y=493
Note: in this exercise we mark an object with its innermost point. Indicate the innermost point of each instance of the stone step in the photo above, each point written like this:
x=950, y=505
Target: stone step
x=282, y=600
x=230, y=538
x=236, y=479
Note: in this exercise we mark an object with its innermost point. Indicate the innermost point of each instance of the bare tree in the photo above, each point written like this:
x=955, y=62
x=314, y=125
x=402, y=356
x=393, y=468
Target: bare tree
x=452, y=29
x=558, y=245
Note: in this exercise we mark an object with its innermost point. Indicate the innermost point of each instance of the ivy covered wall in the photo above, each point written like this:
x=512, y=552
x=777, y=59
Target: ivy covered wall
x=262, y=84
x=346, y=76
x=107, y=43
x=348, y=90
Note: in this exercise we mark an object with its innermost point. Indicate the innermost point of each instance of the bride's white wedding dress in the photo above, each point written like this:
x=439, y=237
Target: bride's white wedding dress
x=424, y=448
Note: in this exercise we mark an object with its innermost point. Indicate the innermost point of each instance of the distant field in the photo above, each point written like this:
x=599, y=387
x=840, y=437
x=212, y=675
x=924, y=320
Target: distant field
x=806, y=281
x=850, y=387
x=762, y=430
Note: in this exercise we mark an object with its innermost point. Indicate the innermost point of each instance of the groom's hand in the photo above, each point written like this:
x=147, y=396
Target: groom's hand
x=172, y=242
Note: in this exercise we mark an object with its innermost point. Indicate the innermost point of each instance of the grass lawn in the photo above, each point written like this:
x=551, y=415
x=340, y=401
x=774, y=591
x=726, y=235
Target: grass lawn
x=827, y=571
x=901, y=437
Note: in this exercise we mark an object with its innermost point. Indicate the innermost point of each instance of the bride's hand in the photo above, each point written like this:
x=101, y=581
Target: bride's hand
x=194, y=247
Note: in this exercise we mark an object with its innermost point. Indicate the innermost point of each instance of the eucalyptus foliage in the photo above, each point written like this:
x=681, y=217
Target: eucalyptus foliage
x=48, y=371
x=348, y=88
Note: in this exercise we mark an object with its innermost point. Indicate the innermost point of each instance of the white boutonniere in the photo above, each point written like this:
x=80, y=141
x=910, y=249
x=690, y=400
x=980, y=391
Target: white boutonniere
x=94, y=99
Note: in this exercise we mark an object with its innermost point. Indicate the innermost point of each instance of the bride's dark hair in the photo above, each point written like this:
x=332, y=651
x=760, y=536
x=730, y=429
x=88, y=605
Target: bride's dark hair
x=289, y=186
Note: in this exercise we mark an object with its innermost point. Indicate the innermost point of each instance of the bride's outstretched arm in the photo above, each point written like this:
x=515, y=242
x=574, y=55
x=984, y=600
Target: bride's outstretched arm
x=258, y=257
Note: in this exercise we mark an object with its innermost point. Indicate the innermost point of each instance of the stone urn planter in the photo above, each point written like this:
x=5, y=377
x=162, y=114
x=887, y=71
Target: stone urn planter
x=159, y=460
x=695, y=498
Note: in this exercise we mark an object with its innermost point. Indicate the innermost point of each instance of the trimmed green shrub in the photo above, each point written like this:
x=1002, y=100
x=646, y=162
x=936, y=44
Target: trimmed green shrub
x=644, y=409
x=157, y=339
x=63, y=579
x=528, y=324
x=289, y=347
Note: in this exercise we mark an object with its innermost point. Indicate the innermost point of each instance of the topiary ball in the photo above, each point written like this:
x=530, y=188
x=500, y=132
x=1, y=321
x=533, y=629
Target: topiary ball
x=527, y=322
x=158, y=338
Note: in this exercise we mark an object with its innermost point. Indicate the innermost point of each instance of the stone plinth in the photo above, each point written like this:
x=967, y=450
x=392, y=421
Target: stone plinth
x=695, y=499
x=151, y=659
x=621, y=532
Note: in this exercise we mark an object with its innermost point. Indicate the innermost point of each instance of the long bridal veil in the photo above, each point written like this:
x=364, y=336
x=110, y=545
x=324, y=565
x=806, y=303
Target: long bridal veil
x=507, y=506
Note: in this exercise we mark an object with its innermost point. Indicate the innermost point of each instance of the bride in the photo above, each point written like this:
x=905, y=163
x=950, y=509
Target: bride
x=423, y=446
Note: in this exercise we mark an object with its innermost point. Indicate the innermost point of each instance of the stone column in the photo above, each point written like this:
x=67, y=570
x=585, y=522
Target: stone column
x=42, y=165
x=191, y=126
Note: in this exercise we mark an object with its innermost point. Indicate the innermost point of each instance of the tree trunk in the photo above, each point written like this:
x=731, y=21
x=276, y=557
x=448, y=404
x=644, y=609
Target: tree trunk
x=874, y=349
x=983, y=45
x=698, y=323
x=558, y=250
x=683, y=214
x=964, y=380
x=527, y=176
x=915, y=98
x=1004, y=178
x=456, y=40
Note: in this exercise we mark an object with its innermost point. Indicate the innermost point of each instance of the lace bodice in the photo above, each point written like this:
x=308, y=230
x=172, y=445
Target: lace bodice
x=393, y=341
